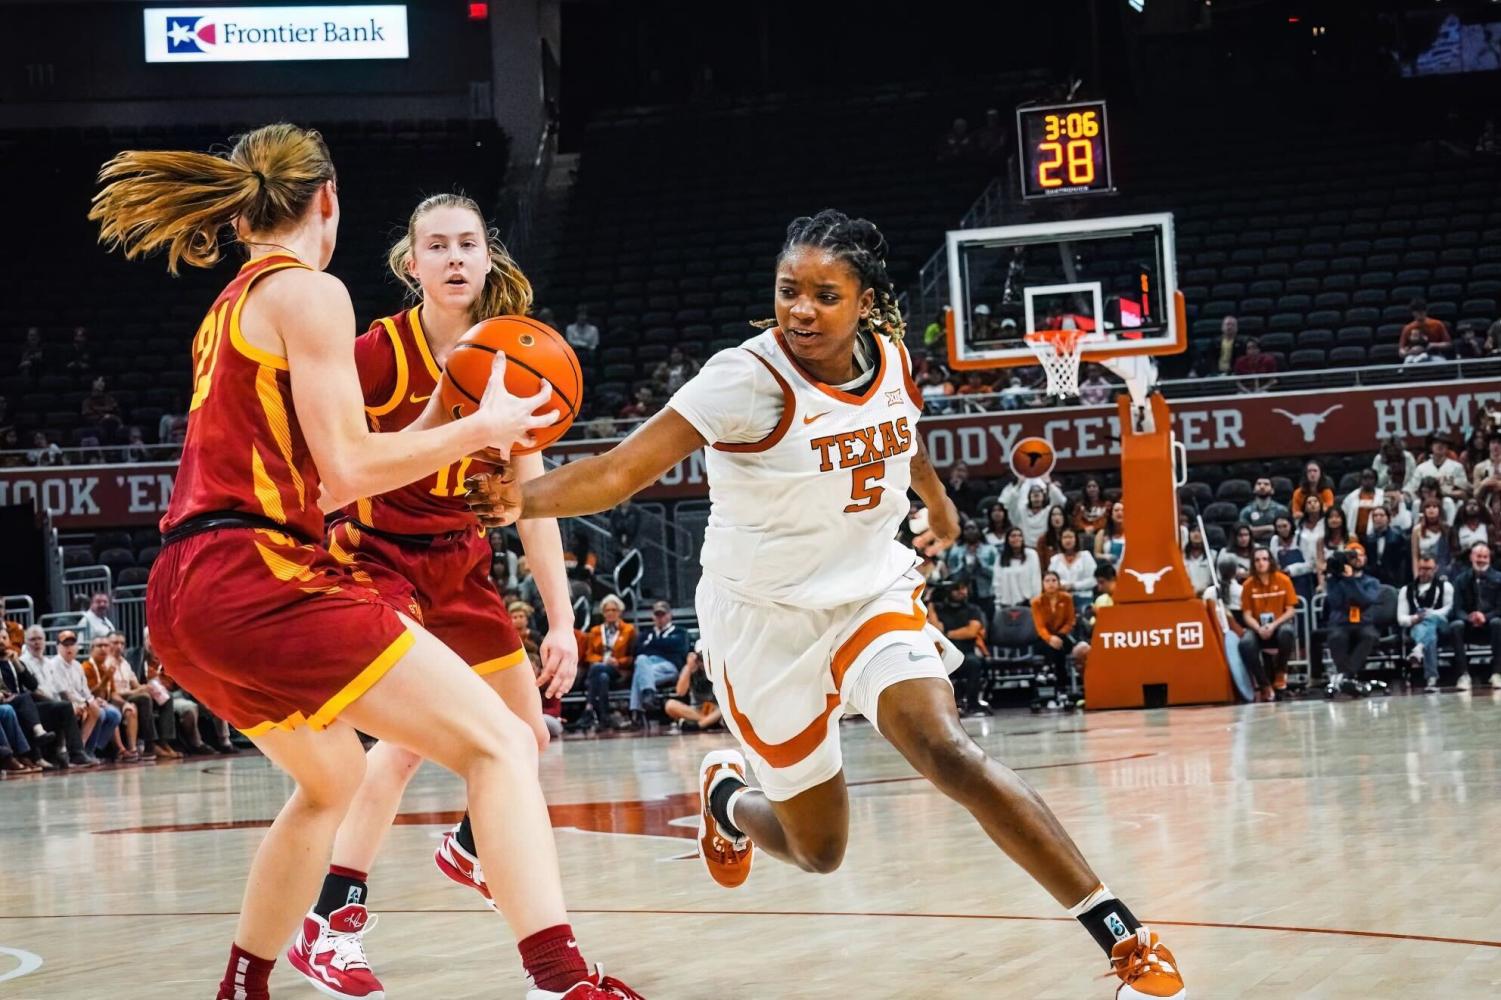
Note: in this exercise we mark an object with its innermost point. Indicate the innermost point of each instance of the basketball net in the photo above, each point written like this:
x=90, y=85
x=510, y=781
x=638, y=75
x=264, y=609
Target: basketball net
x=1058, y=351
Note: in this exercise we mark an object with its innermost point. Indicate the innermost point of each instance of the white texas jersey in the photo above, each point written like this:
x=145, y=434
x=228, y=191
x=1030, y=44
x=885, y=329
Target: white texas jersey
x=808, y=514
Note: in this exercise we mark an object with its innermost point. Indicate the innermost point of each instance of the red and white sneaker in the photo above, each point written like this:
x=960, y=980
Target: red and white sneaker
x=1147, y=970
x=461, y=866
x=597, y=987
x=330, y=954
x=727, y=858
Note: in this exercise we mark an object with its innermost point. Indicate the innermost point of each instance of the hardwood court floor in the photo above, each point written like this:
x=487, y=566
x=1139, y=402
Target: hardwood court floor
x=1343, y=850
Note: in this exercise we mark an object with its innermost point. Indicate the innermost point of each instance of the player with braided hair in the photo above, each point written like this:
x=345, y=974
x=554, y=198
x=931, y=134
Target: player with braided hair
x=808, y=605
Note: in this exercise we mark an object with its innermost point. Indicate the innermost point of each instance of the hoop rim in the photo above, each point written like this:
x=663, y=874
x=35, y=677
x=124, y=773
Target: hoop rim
x=1060, y=339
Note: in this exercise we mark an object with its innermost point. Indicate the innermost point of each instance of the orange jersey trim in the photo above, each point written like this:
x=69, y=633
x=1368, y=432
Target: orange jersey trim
x=829, y=390
x=913, y=392
x=512, y=659
x=237, y=336
x=874, y=628
x=789, y=405
x=347, y=695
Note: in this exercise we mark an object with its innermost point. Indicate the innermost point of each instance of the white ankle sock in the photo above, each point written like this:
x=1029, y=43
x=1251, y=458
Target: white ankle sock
x=1100, y=895
x=729, y=806
x=38, y=730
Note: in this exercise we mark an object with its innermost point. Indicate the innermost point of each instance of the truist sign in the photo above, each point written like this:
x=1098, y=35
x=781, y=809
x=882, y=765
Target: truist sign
x=275, y=34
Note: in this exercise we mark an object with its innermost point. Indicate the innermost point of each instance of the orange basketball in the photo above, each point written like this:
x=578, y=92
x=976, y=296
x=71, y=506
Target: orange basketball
x=534, y=351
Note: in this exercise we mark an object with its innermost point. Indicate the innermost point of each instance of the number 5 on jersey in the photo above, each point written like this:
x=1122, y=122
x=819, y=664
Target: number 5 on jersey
x=865, y=491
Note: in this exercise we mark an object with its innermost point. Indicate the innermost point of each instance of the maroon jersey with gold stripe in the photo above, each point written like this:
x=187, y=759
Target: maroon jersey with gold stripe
x=398, y=376
x=244, y=449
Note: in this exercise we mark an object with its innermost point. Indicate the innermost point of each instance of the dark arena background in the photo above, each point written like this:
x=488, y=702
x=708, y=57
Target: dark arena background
x=1302, y=800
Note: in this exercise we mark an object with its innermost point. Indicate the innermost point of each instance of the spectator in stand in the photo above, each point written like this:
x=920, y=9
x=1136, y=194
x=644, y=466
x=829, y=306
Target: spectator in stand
x=1313, y=484
x=1388, y=552
x=57, y=712
x=936, y=391
x=32, y=354
x=1225, y=359
x=1253, y=368
x=11, y=455
x=582, y=335
x=1228, y=620
x=1054, y=618
x=1476, y=616
x=157, y=720
x=95, y=623
x=1430, y=535
x=1423, y=608
x=975, y=392
x=42, y=744
x=1095, y=389
x=1093, y=508
x=1434, y=332
x=44, y=452
x=1052, y=535
x=699, y=713
x=1110, y=541
x=188, y=711
x=973, y=558
x=991, y=139
x=1472, y=526
x=642, y=405
x=1260, y=514
x=1029, y=502
x=1242, y=549
x=1348, y=596
x=1018, y=575
x=661, y=653
x=608, y=657
x=997, y=522
x=936, y=330
x=1469, y=343
x=136, y=449
x=1442, y=466
x=1196, y=561
x=1336, y=535
x=521, y=620
x=99, y=405
x=15, y=749
x=677, y=369
x=965, y=494
x=1291, y=559
x=62, y=679
x=1399, y=511
x=100, y=678
x=80, y=360
x=1359, y=502
x=625, y=523
x=964, y=624
x=1075, y=568
x=957, y=143
x=1493, y=339
x=1417, y=352
x=1268, y=602
x=1392, y=463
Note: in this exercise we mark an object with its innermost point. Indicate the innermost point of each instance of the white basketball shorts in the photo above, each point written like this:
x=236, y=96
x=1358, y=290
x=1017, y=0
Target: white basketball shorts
x=783, y=676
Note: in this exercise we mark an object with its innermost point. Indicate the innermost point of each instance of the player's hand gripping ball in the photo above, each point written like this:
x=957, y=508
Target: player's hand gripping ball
x=534, y=351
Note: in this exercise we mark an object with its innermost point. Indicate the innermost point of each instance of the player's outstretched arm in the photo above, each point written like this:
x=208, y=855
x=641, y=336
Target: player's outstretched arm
x=352, y=461
x=592, y=484
x=943, y=516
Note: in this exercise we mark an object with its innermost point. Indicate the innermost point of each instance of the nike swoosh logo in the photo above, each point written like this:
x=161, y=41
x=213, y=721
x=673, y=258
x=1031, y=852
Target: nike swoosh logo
x=915, y=657
x=810, y=419
x=414, y=398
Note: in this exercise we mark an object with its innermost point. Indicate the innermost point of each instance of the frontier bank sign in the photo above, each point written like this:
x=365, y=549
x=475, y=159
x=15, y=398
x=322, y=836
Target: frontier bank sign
x=275, y=34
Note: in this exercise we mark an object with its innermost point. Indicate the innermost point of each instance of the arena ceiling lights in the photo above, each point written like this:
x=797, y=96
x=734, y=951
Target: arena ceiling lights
x=275, y=34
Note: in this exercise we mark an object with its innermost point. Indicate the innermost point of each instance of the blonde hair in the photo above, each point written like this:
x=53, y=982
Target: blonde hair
x=182, y=200
x=507, y=291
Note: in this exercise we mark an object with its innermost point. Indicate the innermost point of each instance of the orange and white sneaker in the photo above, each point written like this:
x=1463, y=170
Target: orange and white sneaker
x=1146, y=969
x=461, y=866
x=728, y=858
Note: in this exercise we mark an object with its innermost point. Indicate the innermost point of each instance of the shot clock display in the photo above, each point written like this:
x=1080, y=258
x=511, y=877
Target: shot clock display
x=1065, y=149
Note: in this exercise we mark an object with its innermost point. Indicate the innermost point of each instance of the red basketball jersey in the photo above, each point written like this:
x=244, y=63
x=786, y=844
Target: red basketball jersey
x=244, y=449
x=399, y=376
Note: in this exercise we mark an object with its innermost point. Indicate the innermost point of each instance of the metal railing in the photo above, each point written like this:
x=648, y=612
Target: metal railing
x=18, y=608
x=84, y=582
x=932, y=291
x=128, y=612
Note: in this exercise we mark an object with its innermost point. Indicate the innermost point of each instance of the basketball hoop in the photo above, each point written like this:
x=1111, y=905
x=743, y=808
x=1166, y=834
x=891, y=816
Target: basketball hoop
x=1058, y=352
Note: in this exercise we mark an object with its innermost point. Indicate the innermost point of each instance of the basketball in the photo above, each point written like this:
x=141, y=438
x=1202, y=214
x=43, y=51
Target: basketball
x=534, y=351
x=1032, y=458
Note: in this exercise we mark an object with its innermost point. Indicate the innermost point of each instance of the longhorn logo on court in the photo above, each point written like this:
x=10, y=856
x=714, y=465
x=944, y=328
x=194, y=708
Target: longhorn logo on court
x=1308, y=423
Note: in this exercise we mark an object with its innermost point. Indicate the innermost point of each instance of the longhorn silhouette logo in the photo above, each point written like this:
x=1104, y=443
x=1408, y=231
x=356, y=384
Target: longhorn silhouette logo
x=1033, y=457
x=1308, y=423
x=1149, y=580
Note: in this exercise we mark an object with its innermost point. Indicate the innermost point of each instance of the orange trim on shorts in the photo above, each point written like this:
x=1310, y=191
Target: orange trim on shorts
x=791, y=751
x=874, y=628
x=789, y=408
x=512, y=659
x=346, y=695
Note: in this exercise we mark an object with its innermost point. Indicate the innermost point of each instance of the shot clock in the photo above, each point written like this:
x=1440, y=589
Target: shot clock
x=1065, y=149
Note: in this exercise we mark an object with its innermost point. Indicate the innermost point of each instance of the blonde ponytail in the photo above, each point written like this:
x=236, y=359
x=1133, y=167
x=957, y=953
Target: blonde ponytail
x=182, y=200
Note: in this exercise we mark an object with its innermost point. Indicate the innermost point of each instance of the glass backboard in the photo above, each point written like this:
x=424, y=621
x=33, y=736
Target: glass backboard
x=1115, y=278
